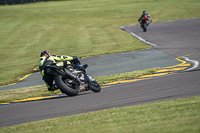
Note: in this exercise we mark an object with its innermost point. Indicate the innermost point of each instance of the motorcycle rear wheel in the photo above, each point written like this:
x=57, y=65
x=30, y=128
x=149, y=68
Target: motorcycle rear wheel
x=144, y=27
x=68, y=89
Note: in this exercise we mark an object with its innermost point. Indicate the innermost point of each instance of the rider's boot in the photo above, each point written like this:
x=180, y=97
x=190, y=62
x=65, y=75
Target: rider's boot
x=52, y=89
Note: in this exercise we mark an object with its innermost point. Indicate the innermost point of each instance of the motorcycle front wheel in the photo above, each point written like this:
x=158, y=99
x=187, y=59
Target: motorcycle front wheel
x=66, y=87
x=95, y=86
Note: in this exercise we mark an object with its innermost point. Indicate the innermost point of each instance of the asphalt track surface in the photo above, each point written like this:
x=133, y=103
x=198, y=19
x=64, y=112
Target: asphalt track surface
x=174, y=39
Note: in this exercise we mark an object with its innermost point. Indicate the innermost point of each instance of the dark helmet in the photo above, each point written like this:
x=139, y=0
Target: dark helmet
x=144, y=12
x=45, y=53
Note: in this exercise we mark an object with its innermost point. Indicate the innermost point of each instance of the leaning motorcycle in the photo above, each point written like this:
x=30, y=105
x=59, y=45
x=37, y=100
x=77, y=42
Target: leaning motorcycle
x=72, y=81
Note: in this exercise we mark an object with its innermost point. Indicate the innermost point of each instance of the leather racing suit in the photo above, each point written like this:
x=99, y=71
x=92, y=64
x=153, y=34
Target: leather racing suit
x=144, y=18
x=60, y=61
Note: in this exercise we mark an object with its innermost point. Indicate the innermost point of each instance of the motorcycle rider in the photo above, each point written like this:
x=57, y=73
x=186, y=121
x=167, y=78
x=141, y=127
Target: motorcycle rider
x=46, y=58
x=144, y=18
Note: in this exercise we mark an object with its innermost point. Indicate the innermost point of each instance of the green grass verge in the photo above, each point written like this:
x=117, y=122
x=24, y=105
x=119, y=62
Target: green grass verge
x=76, y=27
x=173, y=116
x=41, y=90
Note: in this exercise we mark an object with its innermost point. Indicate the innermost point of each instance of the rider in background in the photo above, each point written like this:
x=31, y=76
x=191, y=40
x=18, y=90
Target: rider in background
x=144, y=18
x=46, y=58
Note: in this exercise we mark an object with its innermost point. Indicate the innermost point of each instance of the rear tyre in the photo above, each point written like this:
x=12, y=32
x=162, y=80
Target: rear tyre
x=66, y=87
x=144, y=27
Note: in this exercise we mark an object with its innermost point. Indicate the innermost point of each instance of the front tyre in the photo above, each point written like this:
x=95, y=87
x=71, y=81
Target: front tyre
x=95, y=86
x=66, y=87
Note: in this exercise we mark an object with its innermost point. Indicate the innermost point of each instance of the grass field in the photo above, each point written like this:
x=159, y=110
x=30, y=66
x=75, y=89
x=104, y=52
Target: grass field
x=76, y=27
x=174, y=116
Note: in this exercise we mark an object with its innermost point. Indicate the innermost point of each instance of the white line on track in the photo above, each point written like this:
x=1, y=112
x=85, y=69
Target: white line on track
x=196, y=63
x=138, y=37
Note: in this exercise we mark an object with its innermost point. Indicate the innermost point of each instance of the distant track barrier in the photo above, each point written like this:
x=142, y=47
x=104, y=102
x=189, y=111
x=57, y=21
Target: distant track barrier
x=14, y=2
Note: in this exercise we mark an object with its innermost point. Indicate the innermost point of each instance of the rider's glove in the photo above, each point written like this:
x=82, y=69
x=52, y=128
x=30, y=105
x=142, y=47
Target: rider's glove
x=64, y=57
x=85, y=66
x=75, y=58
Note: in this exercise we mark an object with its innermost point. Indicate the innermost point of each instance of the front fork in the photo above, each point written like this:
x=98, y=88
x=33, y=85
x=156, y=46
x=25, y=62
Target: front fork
x=87, y=80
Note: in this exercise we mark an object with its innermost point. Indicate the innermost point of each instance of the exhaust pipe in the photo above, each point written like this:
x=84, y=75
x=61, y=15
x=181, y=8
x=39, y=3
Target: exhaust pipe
x=71, y=74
